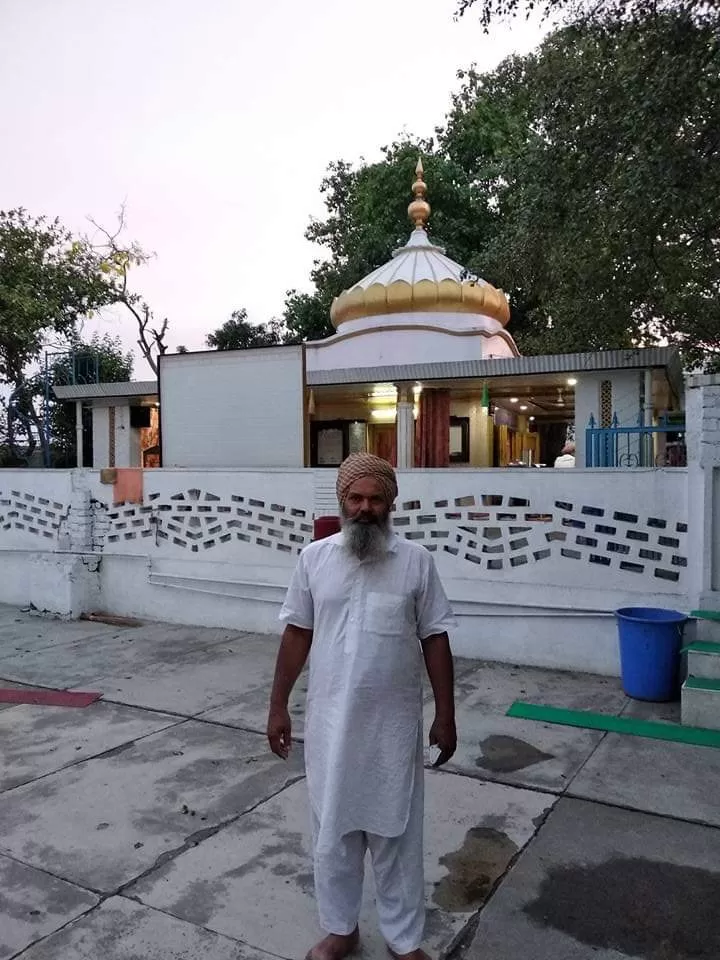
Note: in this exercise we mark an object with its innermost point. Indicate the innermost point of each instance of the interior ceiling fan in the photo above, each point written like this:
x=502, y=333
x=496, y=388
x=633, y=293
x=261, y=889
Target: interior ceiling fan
x=549, y=401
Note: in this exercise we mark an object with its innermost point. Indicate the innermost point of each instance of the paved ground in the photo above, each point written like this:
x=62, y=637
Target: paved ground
x=155, y=825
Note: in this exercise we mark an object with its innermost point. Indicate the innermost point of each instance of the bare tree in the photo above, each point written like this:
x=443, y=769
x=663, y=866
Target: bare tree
x=119, y=258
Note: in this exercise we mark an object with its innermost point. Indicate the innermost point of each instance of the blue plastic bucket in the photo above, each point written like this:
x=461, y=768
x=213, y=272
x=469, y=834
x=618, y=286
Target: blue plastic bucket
x=650, y=643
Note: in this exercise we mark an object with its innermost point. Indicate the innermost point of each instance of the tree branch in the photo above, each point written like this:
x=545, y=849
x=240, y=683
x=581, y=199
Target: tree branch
x=151, y=340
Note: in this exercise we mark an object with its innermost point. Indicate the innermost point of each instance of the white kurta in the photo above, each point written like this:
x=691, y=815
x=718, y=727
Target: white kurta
x=363, y=733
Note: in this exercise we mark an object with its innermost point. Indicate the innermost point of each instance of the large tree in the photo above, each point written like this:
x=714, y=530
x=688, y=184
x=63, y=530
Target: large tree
x=48, y=281
x=583, y=179
x=51, y=281
x=609, y=201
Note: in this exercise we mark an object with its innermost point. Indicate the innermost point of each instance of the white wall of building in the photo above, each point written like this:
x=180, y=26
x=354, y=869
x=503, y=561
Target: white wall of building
x=101, y=435
x=239, y=408
x=625, y=404
x=400, y=339
x=126, y=452
x=127, y=438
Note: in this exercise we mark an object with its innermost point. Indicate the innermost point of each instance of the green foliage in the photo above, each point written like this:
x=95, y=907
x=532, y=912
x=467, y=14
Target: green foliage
x=238, y=333
x=48, y=281
x=367, y=220
x=583, y=179
x=102, y=359
x=609, y=204
x=587, y=11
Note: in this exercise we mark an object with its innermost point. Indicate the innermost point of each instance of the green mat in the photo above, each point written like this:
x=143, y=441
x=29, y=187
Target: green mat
x=705, y=614
x=628, y=725
x=703, y=683
x=702, y=646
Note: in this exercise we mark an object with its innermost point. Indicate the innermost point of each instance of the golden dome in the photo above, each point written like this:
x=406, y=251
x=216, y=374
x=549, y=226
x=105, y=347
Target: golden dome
x=419, y=279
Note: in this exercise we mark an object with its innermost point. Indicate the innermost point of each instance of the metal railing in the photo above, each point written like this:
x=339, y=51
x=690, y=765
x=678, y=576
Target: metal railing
x=615, y=446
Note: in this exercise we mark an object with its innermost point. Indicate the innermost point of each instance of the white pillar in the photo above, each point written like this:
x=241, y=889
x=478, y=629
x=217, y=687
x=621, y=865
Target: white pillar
x=405, y=428
x=648, y=406
x=648, y=446
x=79, y=432
x=101, y=435
x=702, y=411
x=123, y=436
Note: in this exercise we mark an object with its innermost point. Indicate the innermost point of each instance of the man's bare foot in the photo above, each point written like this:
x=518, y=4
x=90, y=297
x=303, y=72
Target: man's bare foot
x=335, y=947
x=413, y=955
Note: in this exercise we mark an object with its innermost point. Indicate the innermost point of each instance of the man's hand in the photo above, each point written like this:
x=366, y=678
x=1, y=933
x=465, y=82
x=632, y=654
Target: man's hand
x=279, y=732
x=294, y=650
x=443, y=735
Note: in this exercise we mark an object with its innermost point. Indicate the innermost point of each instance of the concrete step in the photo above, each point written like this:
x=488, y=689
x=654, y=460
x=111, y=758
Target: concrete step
x=705, y=626
x=703, y=660
x=701, y=703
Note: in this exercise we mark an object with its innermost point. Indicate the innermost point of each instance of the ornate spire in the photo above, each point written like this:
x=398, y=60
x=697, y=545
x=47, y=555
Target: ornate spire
x=419, y=209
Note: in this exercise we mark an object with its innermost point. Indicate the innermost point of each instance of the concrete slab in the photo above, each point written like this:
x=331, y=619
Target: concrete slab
x=33, y=905
x=38, y=633
x=120, y=652
x=660, y=712
x=250, y=712
x=8, y=614
x=199, y=680
x=253, y=881
x=672, y=779
x=122, y=930
x=39, y=740
x=105, y=821
x=607, y=884
x=522, y=752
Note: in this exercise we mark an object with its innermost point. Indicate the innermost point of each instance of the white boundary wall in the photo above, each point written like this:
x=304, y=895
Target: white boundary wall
x=534, y=562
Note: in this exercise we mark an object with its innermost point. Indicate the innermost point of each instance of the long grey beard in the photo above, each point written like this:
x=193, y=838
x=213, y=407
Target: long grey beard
x=366, y=541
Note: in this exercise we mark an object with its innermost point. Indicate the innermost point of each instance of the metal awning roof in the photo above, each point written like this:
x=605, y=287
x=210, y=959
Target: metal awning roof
x=505, y=367
x=97, y=391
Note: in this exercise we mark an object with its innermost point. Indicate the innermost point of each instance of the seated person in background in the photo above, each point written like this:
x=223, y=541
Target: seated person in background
x=567, y=456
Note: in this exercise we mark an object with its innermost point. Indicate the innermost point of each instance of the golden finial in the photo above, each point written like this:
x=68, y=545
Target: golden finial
x=419, y=209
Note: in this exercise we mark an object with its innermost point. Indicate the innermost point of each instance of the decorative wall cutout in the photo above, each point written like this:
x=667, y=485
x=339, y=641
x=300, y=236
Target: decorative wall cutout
x=27, y=512
x=493, y=539
x=197, y=520
x=491, y=532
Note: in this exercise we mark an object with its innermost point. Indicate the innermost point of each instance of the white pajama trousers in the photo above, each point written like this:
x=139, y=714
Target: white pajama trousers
x=399, y=881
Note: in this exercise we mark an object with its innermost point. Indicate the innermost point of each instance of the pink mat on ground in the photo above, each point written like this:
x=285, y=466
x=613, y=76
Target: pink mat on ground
x=49, y=698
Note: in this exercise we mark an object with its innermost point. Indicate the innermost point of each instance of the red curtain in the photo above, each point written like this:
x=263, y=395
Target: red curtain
x=432, y=429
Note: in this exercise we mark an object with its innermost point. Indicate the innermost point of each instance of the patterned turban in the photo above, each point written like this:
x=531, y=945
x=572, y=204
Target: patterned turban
x=359, y=465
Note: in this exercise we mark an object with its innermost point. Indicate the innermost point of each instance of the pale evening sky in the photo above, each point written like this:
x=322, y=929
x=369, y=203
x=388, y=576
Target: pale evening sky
x=215, y=122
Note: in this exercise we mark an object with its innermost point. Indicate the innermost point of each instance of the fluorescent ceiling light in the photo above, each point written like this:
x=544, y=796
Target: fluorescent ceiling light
x=383, y=413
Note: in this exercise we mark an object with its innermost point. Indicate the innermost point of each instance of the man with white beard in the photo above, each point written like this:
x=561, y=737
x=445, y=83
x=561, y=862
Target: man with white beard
x=367, y=607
